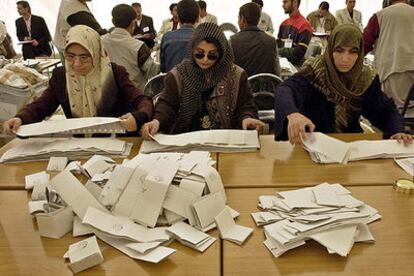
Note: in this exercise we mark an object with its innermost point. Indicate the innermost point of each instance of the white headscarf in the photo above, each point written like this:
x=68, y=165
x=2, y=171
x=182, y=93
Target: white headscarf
x=85, y=92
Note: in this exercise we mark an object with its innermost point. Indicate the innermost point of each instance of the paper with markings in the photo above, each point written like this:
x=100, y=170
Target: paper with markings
x=208, y=207
x=57, y=164
x=229, y=230
x=35, y=179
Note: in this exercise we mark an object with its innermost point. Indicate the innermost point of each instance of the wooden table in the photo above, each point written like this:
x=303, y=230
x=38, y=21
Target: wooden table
x=24, y=252
x=392, y=253
x=279, y=164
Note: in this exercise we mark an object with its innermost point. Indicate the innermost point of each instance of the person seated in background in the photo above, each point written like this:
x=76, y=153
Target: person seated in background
x=33, y=29
x=124, y=50
x=72, y=13
x=88, y=86
x=169, y=24
x=174, y=45
x=322, y=20
x=254, y=50
x=265, y=22
x=204, y=16
x=6, y=43
x=349, y=15
x=144, y=27
x=332, y=91
x=294, y=34
x=207, y=91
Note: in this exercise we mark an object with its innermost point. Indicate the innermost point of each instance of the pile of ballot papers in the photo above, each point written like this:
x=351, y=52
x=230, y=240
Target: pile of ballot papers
x=34, y=149
x=407, y=164
x=325, y=149
x=326, y=213
x=217, y=140
x=139, y=206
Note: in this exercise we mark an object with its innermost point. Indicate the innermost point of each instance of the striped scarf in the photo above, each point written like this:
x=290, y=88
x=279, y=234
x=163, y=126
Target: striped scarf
x=195, y=80
x=343, y=89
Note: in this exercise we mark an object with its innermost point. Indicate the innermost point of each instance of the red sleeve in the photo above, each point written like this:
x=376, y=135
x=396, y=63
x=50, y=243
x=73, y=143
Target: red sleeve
x=371, y=33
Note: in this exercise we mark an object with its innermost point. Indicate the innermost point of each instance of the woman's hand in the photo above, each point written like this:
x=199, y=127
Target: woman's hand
x=11, y=126
x=296, y=128
x=128, y=122
x=250, y=123
x=150, y=128
x=403, y=137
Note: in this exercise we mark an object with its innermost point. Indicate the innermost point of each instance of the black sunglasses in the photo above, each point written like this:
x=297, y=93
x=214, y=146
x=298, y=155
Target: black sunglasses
x=199, y=55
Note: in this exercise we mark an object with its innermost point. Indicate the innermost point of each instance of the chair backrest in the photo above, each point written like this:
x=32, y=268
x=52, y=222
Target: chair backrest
x=410, y=97
x=228, y=29
x=154, y=86
x=264, y=88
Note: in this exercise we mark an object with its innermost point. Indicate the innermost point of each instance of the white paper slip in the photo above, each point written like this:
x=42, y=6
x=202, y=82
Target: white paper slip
x=363, y=234
x=326, y=196
x=207, y=208
x=407, y=164
x=72, y=126
x=115, y=186
x=75, y=194
x=123, y=227
x=144, y=247
x=211, y=226
x=153, y=256
x=39, y=191
x=35, y=179
x=332, y=148
x=339, y=240
x=179, y=200
x=152, y=193
x=276, y=250
x=84, y=254
x=74, y=167
x=55, y=224
x=80, y=229
x=57, y=164
x=188, y=233
x=97, y=164
x=36, y=206
x=262, y=218
x=229, y=230
x=195, y=187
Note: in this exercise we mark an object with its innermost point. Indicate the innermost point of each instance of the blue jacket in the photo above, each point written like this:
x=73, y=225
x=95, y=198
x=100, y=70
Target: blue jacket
x=297, y=94
x=175, y=47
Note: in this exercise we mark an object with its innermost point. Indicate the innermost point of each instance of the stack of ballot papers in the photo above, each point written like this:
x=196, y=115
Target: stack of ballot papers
x=325, y=149
x=87, y=125
x=326, y=213
x=218, y=140
x=142, y=205
x=35, y=149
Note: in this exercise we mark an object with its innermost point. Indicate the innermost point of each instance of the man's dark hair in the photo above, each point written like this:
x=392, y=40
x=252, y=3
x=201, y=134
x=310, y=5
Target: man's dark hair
x=298, y=1
x=136, y=5
x=258, y=2
x=188, y=11
x=25, y=5
x=172, y=6
x=202, y=4
x=251, y=12
x=324, y=5
x=122, y=15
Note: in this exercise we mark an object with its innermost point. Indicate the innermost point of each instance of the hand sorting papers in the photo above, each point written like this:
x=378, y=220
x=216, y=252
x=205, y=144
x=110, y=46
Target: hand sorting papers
x=325, y=149
x=218, y=140
x=326, y=213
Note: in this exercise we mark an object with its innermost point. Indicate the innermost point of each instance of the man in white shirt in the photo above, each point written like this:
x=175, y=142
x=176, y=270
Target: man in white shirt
x=349, y=15
x=265, y=22
x=124, y=50
x=204, y=16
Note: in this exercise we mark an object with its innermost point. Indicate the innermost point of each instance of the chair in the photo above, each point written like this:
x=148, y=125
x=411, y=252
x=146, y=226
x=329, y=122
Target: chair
x=228, y=29
x=154, y=86
x=264, y=88
x=408, y=111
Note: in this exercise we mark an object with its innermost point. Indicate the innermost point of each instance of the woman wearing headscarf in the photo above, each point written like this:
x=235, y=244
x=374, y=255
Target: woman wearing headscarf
x=89, y=86
x=206, y=91
x=332, y=91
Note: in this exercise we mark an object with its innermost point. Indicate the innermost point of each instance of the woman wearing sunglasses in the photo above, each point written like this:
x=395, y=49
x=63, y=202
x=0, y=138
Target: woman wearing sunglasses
x=207, y=91
x=89, y=86
x=332, y=91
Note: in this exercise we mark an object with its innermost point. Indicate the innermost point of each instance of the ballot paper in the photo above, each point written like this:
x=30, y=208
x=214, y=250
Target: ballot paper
x=115, y=186
x=207, y=208
x=217, y=140
x=80, y=229
x=97, y=164
x=337, y=221
x=57, y=164
x=143, y=247
x=84, y=254
x=36, y=179
x=34, y=149
x=325, y=149
x=229, y=230
x=190, y=236
x=407, y=164
x=55, y=224
x=86, y=125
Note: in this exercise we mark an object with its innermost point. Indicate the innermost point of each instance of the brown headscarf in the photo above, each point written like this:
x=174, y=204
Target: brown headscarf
x=195, y=80
x=343, y=89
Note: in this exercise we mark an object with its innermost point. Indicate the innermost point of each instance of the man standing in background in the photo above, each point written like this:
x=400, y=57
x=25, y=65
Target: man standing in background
x=349, y=15
x=204, y=16
x=33, y=32
x=144, y=29
x=169, y=24
x=265, y=22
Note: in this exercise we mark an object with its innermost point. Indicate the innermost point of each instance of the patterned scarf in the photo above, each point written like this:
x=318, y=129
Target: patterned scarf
x=343, y=89
x=86, y=93
x=195, y=80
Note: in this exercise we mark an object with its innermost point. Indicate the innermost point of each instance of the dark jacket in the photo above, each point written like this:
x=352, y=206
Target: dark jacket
x=297, y=94
x=128, y=99
x=38, y=31
x=146, y=26
x=255, y=51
